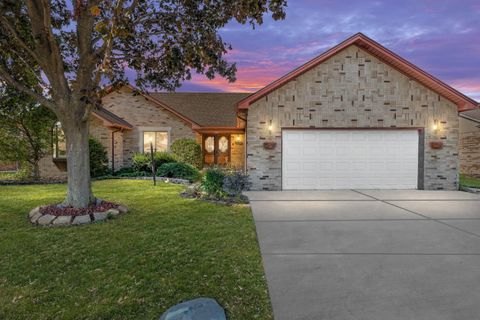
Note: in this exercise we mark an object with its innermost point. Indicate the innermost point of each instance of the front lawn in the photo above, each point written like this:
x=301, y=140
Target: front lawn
x=467, y=181
x=164, y=251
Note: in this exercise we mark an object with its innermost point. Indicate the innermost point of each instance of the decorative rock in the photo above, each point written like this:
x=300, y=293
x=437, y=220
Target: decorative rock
x=98, y=201
x=196, y=309
x=35, y=217
x=34, y=212
x=122, y=209
x=112, y=212
x=100, y=216
x=62, y=221
x=45, y=219
x=82, y=219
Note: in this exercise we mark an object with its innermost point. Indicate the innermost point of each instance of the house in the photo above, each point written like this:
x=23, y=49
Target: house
x=469, y=144
x=357, y=116
x=130, y=120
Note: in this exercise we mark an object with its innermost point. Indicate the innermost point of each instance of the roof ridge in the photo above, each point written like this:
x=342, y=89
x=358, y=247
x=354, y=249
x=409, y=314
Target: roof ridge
x=382, y=53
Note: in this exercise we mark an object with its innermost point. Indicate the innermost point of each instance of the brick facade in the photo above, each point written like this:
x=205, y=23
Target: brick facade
x=144, y=116
x=469, y=146
x=353, y=89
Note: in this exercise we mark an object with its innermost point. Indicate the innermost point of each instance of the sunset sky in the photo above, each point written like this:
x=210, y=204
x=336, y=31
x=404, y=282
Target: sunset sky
x=441, y=37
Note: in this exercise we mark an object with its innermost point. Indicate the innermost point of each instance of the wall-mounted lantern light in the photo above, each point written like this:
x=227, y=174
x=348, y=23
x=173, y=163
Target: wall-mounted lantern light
x=270, y=126
x=435, y=125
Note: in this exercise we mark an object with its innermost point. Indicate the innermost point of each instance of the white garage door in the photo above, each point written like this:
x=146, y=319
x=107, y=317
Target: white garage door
x=349, y=159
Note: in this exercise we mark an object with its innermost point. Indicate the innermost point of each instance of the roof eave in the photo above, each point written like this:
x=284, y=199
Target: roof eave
x=111, y=124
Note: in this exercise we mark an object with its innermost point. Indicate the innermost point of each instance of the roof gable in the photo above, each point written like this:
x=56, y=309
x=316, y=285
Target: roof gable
x=385, y=55
x=198, y=109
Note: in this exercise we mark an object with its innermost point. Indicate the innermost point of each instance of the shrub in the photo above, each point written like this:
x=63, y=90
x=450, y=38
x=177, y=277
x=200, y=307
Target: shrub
x=98, y=158
x=235, y=182
x=178, y=170
x=212, y=183
x=131, y=172
x=188, y=151
x=142, y=161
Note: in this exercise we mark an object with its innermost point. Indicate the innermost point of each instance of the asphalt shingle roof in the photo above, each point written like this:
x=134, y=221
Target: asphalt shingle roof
x=208, y=109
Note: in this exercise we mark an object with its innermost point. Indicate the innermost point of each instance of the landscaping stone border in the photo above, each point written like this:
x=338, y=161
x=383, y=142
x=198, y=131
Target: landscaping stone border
x=38, y=218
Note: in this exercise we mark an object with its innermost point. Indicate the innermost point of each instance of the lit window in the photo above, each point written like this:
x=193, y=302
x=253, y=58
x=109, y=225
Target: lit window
x=223, y=144
x=159, y=140
x=209, y=144
x=58, y=142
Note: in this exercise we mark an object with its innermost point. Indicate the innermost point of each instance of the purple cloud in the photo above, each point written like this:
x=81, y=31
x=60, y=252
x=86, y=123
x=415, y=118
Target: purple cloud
x=442, y=37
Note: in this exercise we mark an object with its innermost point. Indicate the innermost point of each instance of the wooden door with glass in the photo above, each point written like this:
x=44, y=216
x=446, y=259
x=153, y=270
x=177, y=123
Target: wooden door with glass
x=216, y=149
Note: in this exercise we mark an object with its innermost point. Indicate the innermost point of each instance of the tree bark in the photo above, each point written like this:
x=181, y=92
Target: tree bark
x=79, y=192
x=36, y=170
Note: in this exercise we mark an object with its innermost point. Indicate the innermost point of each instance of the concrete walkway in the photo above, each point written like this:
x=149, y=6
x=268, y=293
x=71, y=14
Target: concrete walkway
x=370, y=255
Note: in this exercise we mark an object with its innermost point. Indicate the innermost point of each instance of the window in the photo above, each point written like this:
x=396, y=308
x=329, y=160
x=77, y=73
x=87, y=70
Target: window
x=223, y=144
x=210, y=144
x=159, y=140
x=58, y=142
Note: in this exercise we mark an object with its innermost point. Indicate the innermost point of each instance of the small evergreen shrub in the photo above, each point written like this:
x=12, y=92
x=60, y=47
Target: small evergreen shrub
x=178, y=170
x=98, y=158
x=212, y=182
x=235, y=182
x=131, y=172
x=187, y=151
x=142, y=161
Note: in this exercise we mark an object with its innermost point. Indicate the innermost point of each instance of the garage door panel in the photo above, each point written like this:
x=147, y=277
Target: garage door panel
x=339, y=159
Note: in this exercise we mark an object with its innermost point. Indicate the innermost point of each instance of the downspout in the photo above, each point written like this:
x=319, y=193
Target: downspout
x=113, y=150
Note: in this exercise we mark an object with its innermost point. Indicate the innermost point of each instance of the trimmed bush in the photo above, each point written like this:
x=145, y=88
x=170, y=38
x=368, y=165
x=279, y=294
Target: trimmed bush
x=178, y=170
x=142, y=162
x=212, y=182
x=235, y=182
x=98, y=158
x=187, y=151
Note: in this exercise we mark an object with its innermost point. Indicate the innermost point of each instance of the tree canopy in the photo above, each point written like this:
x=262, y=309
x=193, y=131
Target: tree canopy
x=70, y=49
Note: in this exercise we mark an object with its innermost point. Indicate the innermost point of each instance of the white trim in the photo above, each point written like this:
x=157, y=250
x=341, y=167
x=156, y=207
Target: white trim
x=141, y=130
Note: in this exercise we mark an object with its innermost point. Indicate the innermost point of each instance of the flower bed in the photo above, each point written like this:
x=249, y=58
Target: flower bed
x=58, y=215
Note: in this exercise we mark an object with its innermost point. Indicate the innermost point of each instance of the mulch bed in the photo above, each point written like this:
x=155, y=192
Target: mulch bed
x=59, y=210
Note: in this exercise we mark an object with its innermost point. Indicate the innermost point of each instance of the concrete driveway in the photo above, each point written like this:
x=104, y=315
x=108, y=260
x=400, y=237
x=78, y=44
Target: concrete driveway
x=370, y=254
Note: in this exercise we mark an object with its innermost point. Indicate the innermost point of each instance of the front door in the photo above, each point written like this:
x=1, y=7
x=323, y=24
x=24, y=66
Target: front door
x=216, y=149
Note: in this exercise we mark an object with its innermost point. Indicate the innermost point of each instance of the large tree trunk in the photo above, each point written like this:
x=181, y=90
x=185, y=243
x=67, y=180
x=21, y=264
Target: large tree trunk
x=36, y=170
x=79, y=193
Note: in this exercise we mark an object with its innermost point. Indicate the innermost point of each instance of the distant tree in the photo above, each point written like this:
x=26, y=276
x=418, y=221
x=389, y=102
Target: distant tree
x=79, y=44
x=25, y=129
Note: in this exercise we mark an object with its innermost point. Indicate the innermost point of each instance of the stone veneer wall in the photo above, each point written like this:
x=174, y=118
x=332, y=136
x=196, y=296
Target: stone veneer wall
x=469, y=147
x=237, y=155
x=141, y=113
x=353, y=89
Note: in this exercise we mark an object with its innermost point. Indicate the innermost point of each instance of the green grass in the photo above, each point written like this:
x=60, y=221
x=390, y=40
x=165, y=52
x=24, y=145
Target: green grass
x=467, y=181
x=164, y=251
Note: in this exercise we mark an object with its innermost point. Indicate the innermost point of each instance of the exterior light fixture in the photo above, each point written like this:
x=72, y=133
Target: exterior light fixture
x=435, y=125
x=270, y=128
x=238, y=138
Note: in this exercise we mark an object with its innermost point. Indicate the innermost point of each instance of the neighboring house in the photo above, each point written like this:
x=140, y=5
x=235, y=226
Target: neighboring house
x=470, y=143
x=357, y=116
x=8, y=166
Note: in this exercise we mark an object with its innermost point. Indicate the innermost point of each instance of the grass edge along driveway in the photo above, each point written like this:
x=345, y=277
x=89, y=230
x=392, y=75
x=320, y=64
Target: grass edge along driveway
x=164, y=251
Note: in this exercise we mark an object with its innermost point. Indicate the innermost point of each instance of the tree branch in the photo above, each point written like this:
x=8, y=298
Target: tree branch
x=20, y=87
x=48, y=48
x=15, y=35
